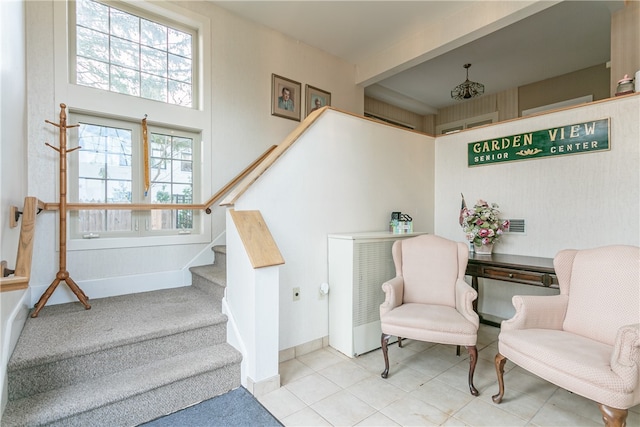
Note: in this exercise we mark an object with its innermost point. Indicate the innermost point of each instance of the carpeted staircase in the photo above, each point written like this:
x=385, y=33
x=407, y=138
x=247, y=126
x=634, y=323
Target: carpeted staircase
x=127, y=360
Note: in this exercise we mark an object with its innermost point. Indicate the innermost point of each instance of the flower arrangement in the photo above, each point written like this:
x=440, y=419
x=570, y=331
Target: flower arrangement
x=482, y=223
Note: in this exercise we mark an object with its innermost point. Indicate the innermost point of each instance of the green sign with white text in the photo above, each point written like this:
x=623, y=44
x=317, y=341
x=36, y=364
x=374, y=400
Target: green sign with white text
x=571, y=139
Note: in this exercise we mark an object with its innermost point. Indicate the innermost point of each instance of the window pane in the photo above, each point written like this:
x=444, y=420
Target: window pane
x=153, y=87
x=119, y=191
x=92, y=73
x=180, y=68
x=125, y=25
x=179, y=93
x=104, y=176
x=179, y=43
x=153, y=35
x=119, y=220
x=91, y=165
x=91, y=190
x=92, y=15
x=124, y=80
x=92, y=221
x=93, y=44
x=172, y=180
x=104, y=164
x=154, y=61
x=125, y=53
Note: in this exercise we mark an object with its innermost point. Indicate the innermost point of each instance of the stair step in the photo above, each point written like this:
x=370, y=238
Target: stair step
x=66, y=343
x=220, y=255
x=211, y=279
x=128, y=360
x=133, y=396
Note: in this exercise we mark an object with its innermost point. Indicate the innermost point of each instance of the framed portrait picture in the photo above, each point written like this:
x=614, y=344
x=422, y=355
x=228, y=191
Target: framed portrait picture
x=316, y=98
x=285, y=97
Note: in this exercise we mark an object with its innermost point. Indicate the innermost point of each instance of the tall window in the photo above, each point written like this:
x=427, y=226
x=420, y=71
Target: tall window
x=119, y=51
x=109, y=168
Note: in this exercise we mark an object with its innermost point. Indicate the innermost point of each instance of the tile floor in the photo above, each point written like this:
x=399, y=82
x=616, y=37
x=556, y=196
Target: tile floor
x=427, y=386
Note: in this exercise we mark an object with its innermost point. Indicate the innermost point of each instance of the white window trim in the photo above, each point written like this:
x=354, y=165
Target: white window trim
x=93, y=101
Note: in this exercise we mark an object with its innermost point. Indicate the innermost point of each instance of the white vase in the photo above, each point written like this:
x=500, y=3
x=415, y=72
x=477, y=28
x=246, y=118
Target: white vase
x=484, y=249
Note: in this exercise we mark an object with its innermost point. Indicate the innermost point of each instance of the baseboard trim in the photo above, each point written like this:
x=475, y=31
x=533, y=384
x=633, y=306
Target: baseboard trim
x=301, y=349
x=113, y=286
x=260, y=388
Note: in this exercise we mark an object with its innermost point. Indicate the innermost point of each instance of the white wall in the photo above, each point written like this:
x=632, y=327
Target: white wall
x=243, y=56
x=13, y=175
x=345, y=174
x=573, y=201
x=13, y=171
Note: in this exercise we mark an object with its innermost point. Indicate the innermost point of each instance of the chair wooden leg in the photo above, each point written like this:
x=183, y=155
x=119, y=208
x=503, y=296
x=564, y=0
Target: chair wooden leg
x=473, y=359
x=458, y=350
x=400, y=342
x=613, y=417
x=384, y=341
x=500, y=361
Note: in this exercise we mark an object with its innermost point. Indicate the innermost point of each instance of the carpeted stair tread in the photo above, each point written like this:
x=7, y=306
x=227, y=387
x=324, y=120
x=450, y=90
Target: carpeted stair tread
x=212, y=273
x=79, y=398
x=68, y=330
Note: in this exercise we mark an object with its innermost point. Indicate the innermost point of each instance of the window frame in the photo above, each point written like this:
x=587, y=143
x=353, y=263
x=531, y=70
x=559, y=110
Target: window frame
x=140, y=234
x=144, y=14
x=95, y=102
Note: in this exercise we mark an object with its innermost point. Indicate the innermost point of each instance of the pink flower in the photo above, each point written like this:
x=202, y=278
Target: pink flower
x=483, y=232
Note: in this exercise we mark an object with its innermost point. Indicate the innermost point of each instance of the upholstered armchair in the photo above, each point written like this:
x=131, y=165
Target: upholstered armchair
x=429, y=300
x=587, y=339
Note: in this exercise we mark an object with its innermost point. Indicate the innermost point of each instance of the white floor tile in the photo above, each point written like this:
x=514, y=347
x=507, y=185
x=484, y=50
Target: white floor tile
x=427, y=385
x=343, y=409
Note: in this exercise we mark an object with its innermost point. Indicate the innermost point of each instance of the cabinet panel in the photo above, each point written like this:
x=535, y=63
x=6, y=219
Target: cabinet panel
x=359, y=264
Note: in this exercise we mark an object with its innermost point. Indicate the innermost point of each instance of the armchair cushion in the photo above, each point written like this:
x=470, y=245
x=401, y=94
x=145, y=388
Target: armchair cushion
x=570, y=361
x=432, y=323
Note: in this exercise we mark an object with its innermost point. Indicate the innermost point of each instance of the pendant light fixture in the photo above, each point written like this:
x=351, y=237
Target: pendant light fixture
x=467, y=89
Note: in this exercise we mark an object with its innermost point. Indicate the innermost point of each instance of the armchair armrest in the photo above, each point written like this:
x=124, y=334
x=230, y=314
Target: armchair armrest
x=465, y=295
x=625, y=358
x=539, y=312
x=393, y=293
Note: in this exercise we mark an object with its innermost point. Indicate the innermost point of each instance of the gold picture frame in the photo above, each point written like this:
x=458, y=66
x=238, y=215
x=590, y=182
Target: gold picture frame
x=285, y=97
x=316, y=98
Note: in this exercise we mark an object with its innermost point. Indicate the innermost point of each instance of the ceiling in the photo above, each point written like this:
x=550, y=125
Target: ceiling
x=549, y=39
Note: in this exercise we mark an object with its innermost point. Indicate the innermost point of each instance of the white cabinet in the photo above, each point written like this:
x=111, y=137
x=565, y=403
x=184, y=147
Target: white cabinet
x=359, y=263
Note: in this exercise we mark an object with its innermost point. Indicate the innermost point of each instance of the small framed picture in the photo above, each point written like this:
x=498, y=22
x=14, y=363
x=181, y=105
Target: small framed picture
x=285, y=97
x=316, y=98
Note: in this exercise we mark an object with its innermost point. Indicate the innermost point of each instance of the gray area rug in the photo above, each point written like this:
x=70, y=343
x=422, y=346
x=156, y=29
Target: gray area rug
x=235, y=408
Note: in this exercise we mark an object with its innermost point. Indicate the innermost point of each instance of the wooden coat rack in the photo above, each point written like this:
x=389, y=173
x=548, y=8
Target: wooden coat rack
x=62, y=274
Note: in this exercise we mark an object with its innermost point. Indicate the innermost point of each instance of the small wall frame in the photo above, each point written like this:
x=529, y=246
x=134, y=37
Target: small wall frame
x=316, y=98
x=286, y=96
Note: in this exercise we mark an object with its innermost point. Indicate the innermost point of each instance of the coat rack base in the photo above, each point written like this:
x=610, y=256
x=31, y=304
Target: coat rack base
x=61, y=276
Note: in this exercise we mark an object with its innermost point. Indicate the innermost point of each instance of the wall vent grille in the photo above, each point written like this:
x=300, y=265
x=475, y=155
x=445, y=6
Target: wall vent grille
x=516, y=226
x=374, y=267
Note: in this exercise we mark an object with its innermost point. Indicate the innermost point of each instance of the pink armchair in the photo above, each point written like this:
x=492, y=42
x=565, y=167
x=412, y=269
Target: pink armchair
x=587, y=339
x=429, y=300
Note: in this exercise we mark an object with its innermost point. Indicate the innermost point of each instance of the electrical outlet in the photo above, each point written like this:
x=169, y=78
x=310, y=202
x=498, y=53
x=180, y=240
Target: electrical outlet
x=296, y=294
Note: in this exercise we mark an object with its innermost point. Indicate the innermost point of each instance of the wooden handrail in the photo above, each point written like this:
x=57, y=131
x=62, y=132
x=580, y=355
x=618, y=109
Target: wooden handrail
x=166, y=206
x=224, y=190
x=22, y=273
